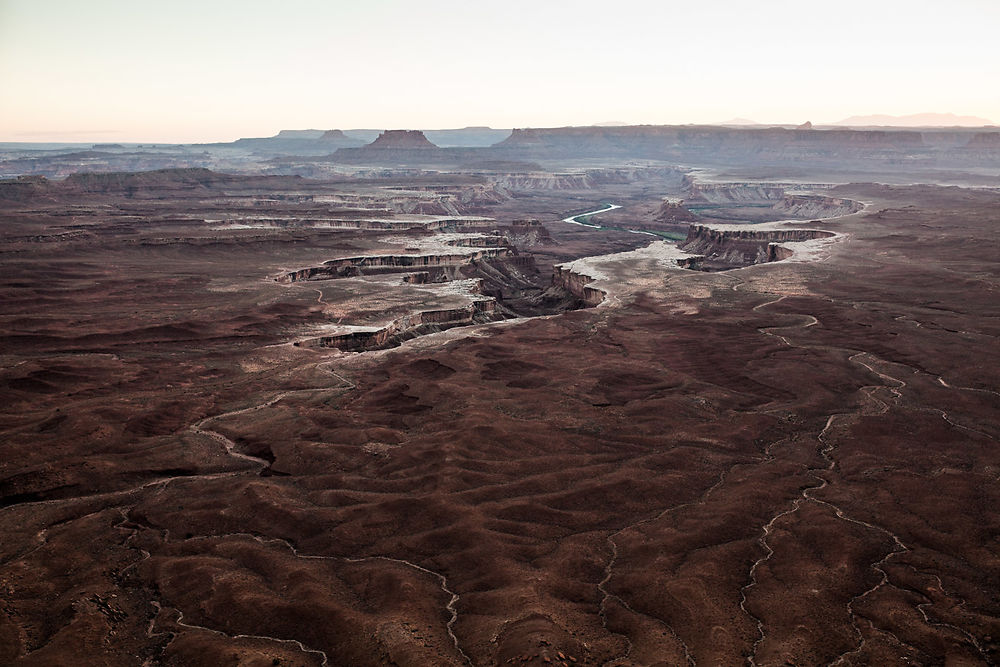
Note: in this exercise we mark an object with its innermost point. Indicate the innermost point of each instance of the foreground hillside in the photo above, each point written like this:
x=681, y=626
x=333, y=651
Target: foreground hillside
x=793, y=462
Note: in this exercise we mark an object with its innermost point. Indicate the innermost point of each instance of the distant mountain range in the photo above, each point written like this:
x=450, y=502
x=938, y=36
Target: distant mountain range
x=916, y=120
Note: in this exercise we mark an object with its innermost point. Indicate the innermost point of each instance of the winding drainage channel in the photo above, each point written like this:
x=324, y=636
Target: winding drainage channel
x=576, y=220
x=573, y=219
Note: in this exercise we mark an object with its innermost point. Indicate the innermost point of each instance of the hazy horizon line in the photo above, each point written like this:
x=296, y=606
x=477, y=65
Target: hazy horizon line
x=107, y=135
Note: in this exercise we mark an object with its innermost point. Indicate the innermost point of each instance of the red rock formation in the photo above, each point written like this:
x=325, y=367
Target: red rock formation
x=655, y=482
x=731, y=193
x=528, y=233
x=355, y=266
x=675, y=211
x=411, y=326
x=400, y=140
x=817, y=206
x=722, y=249
x=419, y=278
x=24, y=188
x=577, y=284
x=185, y=179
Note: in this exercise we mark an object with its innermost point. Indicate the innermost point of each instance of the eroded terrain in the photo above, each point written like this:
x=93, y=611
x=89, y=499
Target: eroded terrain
x=213, y=452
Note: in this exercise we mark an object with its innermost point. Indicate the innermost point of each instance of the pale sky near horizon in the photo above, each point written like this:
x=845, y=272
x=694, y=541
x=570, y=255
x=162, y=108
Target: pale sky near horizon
x=216, y=70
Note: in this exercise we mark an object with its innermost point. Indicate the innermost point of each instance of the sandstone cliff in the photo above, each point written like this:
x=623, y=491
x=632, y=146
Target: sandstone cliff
x=816, y=206
x=731, y=193
x=720, y=145
x=674, y=211
x=24, y=188
x=376, y=264
x=585, y=180
x=412, y=326
x=774, y=196
x=161, y=178
x=728, y=248
x=577, y=284
x=400, y=140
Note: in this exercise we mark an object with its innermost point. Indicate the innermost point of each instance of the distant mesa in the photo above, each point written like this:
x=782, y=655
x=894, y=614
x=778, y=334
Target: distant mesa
x=465, y=137
x=400, y=140
x=682, y=143
x=292, y=142
x=185, y=178
x=739, y=121
x=334, y=135
x=985, y=140
x=299, y=134
x=916, y=120
x=805, y=126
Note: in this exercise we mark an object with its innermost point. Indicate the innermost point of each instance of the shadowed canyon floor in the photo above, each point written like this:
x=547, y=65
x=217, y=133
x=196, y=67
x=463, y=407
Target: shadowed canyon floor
x=791, y=463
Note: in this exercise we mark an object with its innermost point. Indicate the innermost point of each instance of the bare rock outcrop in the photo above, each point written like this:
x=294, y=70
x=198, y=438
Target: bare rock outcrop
x=722, y=249
x=526, y=233
x=816, y=206
x=376, y=264
x=584, y=180
x=24, y=188
x=180, y=179
x=412, y=326
x=731, y=193
x=776, y=197
x=400, y=140
x=577, y=284
x=673, y=210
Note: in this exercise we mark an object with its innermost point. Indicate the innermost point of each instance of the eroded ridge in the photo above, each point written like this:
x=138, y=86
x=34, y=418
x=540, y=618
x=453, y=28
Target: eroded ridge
x=377, y=264
x=881, y=406
x=720, y=248
x=790, y=462
x=450, y=607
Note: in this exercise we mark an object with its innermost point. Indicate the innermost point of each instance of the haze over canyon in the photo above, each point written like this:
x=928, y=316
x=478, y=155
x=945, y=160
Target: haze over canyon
x=618, y=395
x=462, y=334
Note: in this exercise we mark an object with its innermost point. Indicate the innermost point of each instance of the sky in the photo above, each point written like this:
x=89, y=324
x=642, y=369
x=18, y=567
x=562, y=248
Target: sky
x=216, y=70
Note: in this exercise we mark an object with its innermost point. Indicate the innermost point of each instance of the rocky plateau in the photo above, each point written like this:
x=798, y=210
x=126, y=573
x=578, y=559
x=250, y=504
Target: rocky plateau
x=373, y=407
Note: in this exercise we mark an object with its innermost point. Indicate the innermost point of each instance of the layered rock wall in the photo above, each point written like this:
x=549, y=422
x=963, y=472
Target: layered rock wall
x=411, y=326
x=731, y=193
x=721, y=249
x=719, y=143
x=577, y=284
x=371, y=264
x=817, y=206
x=673, y=211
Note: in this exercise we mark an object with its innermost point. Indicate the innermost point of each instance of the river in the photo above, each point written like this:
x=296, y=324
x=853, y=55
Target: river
x=574, y=220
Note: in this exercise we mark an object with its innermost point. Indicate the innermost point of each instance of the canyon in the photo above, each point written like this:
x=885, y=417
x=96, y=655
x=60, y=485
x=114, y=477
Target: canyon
x=387, y=405
x=735, y=246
